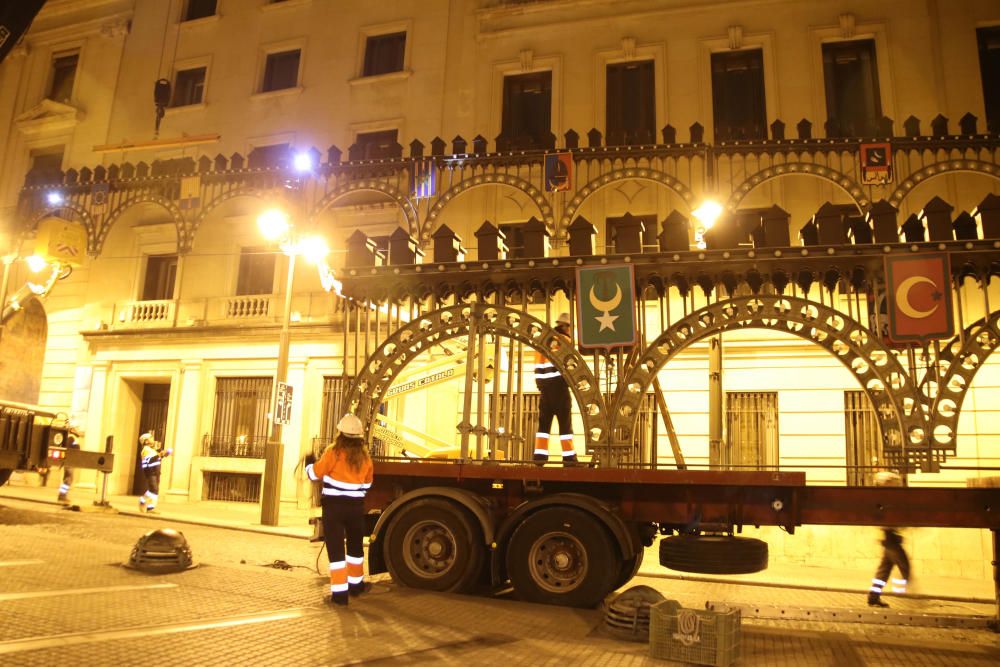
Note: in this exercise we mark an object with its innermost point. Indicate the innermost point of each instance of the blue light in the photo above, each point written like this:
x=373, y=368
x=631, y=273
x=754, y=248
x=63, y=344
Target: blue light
x=54, y=198
x=303, y=162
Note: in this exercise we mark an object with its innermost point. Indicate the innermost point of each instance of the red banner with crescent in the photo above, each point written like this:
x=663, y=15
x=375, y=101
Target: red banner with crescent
x=920, y=297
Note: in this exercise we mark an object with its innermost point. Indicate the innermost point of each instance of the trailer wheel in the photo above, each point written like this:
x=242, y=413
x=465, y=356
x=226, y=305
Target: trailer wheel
x=434, y=545
x=560, y=556
x=713, y=554
x=4, y=475
x=629, y=567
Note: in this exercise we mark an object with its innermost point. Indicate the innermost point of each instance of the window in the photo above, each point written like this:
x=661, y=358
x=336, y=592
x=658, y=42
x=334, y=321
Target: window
x=375, y=145
x=631, y=103
x=527, y=111
x=751, y=441
x=739, y=110
x=864, y=438
x=189, y=87
x=161, y=271
x=46, y=166
x=989, y=68
x=63, y=76
x=853, y=106
x=281, y=71
x=649, y=241
x=384, y=54
x=274, y=155
x=256, y=274
x=199, y=9
x=334, y=390
x=241, y=420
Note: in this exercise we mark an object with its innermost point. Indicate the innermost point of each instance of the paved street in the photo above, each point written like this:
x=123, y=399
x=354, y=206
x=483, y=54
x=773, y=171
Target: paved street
x=66, y=600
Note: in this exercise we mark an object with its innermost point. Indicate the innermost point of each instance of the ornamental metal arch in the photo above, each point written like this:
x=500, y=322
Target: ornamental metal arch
x=874, y=366
x=840, y=179
x=80, y=214
x=628, y=174
x=252, y=192
x=964, y=356
x=176, y=217
x=938, y=169
x=391, y=357
x=370, y=185
x=533, y=193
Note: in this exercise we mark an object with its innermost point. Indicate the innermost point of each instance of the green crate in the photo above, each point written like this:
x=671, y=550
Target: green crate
x=699, y=636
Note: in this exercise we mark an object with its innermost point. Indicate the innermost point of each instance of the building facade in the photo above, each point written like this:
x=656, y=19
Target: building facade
x=425, y=120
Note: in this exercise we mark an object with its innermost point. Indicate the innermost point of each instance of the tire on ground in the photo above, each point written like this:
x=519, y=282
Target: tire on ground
x=560, y=555
x=629, y=567
x=435, y=545
x=713, y=554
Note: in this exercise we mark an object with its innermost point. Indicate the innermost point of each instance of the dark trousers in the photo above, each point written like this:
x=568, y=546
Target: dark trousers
x=555, y=403
x=344, y=518
x=152, y=480
x=893, y=555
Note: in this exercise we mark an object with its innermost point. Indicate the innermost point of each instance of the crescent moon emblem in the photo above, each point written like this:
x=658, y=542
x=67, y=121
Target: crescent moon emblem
x=903, y=297
x=610, y=304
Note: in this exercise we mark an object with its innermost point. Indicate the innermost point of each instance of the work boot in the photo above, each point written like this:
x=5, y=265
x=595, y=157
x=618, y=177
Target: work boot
x=875, y=600
x=570, y=461
x=358, y=589
x=339, y=599
x=540, y=459
x=63, y=498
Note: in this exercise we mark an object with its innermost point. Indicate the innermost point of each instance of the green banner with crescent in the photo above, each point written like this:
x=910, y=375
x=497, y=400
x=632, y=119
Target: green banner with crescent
x=605, y=299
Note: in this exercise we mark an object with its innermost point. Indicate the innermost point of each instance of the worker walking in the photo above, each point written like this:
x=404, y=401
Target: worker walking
x=346, y=471
x=893, y=554
x=67, y=479
x=554, y=401
x=151, y=454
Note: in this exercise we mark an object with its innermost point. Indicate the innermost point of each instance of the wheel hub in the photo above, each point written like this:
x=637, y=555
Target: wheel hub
x=429, y=549
x=558, y=562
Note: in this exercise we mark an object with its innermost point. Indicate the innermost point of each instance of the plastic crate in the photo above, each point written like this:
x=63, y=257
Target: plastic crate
x=699, y=636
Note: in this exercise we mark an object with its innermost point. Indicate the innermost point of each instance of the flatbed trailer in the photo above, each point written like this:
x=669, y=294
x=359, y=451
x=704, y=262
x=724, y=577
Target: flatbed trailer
x=570, y=536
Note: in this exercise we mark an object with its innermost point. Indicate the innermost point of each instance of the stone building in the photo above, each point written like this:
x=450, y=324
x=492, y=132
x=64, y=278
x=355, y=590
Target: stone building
x=808, y=122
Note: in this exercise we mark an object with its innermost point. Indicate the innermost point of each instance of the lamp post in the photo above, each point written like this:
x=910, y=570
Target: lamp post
x=275, y=226
x=707, y=214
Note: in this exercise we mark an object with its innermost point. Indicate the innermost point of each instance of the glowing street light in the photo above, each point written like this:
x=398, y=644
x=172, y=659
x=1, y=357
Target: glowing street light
x=707, y=214
x=54, y=198
x=36, y=263
x=274, y=224
x=302, y=162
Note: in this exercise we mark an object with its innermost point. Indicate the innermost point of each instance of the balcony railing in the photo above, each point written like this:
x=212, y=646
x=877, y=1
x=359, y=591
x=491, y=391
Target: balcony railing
x=241, y=447
x=141, y=314
x=248, y=307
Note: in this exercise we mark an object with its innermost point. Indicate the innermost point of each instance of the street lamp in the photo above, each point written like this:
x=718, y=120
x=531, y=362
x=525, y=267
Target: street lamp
x=275, y=226
x=706, y=214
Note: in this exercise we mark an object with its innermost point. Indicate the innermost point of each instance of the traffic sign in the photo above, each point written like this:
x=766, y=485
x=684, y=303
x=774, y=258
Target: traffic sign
x=283, y=404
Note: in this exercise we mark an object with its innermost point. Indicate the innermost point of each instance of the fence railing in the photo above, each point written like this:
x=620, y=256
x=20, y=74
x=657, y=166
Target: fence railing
x=243, y=447
x=137, y=314
x=248, y=307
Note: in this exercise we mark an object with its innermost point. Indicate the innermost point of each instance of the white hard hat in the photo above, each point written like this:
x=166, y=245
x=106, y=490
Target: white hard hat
x=350, y=426
x=145, y=437
x=563, y=319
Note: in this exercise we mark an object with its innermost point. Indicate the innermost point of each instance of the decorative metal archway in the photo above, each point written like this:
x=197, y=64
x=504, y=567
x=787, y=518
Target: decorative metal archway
x=939, y=169
x=631, y=173
x=476, y=319
x=533, y=193
x=849, y=185
x=876, y=368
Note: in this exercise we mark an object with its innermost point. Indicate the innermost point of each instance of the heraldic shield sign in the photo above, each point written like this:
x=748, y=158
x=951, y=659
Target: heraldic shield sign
x=605, y=298
x=919, y=294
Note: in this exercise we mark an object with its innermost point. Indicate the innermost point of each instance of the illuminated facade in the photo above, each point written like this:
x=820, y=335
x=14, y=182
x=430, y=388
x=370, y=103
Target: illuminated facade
x=172, y=321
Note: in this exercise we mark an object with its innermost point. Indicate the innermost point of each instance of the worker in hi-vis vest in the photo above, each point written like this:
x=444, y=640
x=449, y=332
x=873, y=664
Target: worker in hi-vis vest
x=346, y=471
x=555, y=401
x=151, y=454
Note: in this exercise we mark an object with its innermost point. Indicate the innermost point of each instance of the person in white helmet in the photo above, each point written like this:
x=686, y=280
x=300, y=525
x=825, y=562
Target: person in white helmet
x=151, y=454
x=893, y=554
x=72, y=442
x=554, y=401
x=346, y=471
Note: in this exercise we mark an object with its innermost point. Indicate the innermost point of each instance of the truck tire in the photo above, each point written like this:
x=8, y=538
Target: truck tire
x=4, y=475
x=434, y=545
x=560, y=555
x=629, y=567
x=713, y=554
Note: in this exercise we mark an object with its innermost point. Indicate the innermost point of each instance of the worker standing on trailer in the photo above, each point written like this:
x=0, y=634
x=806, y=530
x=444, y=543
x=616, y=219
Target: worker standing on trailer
x=346, y=471
x=892, y=553
x=151, y=454
x=555, y=401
